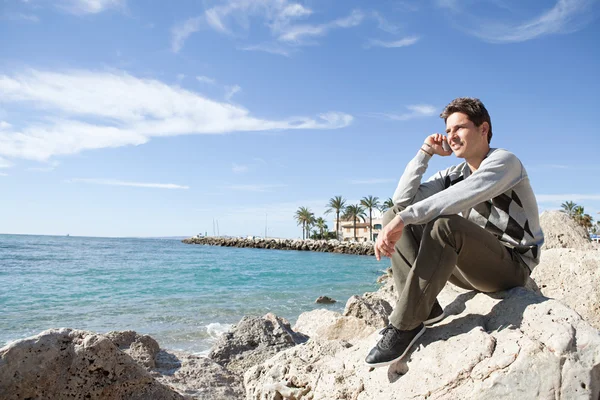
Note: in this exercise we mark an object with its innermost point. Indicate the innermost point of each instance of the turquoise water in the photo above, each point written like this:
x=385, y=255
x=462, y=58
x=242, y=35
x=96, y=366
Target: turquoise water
x=182, y=295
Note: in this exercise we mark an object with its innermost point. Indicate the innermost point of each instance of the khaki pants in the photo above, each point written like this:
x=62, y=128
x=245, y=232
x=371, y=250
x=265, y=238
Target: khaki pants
x=449, y=248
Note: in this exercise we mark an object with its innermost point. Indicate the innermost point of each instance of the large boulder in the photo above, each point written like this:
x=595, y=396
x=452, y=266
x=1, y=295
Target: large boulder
x=253, y=340
x=197, y=377
x=561, y=231
x=573, y=277
x=372, y=309
x=331, y=325
x=66, y=363
x=509, y=345
x=142, y=348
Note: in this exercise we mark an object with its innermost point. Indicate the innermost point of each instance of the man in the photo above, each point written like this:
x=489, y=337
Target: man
x=475, y=224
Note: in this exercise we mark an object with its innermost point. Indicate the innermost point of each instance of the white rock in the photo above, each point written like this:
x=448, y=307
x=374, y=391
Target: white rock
x=510, y=345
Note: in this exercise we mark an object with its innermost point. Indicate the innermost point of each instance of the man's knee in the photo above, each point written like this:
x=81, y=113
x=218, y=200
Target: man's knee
x=445, y=226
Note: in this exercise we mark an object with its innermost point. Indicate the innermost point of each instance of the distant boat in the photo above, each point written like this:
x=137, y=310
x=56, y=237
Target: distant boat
x=68, y=235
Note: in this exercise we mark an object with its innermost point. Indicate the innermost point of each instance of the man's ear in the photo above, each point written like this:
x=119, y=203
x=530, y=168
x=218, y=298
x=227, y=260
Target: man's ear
x=485, y=128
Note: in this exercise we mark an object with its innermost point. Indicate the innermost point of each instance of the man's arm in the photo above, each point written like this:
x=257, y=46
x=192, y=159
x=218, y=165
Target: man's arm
x=497, y=173
x=410, y=189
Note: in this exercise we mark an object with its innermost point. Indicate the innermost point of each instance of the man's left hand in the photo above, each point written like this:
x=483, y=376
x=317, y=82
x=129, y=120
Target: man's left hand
x=388, y=237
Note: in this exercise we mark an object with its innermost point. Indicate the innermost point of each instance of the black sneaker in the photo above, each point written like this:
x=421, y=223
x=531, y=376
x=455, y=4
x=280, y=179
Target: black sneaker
x=436, y=315
x=393, y=345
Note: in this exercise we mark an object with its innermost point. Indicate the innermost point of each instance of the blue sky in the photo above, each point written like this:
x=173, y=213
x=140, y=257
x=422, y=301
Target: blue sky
x=131, y=118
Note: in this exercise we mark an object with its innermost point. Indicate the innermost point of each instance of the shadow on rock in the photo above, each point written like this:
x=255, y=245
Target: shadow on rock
x=507, y=313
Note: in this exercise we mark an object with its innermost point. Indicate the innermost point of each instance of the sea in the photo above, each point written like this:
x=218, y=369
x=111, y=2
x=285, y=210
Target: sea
x=182, y=295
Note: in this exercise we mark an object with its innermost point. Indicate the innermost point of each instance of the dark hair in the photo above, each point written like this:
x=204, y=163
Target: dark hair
x=473, y=108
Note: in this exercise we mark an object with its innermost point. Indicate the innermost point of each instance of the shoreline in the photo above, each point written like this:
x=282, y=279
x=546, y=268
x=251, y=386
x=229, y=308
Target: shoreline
x=321, y=246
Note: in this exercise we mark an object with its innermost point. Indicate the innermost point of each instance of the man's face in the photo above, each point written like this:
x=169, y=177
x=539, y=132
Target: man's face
x=465, y=139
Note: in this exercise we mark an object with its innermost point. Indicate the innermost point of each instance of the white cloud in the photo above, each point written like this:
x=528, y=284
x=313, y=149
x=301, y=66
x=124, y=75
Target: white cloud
x=384, y=24
x=254, y=187
x=566, y=16
x=181, y=32
x=82, y=110
x=415, y=111
x=280, y=16
x=296, y=33
x=206, y=79
x=408, y=41
x=4, y=125
x=112, y=182
x=3, y=174
x=90, y=6
x=230, y=91
x=268, y=48
x=374, y=181
x=5, y=163
x=561, y=198
x=238, y=169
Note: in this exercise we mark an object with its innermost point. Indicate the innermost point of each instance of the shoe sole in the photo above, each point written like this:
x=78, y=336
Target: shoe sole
x=386, y=363
x=435, y=320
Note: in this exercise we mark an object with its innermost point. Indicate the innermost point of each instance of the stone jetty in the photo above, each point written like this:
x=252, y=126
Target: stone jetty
x=323, y=246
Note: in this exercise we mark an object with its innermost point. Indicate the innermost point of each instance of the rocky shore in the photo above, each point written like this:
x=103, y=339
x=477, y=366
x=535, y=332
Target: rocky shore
x=324, y=246
x=520, y=343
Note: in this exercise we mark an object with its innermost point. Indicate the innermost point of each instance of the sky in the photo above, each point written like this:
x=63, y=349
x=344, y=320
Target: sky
x=150, y=118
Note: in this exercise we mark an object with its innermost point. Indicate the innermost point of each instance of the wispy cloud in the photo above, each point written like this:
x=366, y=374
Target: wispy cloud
x=408, y=41
x=415, y=111
x=112, y=182
x=373, y=181
x=4, y=125
x=255, y=187
x=561, y=198
x=206, y=79
x=89, y=6
x=239, y=169
x=269, y=48
x=3, y=174
x=282, y=17
x=384, y=24
x=80, y=110
x=297, y=33
x=230, y=91
x=179, y=33
x=566, y=16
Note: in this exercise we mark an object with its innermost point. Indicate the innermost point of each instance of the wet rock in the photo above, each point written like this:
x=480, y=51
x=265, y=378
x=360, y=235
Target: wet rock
x=325, y=300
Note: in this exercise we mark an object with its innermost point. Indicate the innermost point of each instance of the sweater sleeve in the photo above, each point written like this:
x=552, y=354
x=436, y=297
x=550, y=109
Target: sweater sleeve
x=496, y=174
x=410, y=189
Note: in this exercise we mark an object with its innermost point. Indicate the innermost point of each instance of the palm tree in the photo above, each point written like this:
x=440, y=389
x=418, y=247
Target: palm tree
x=569, y=207
x=389, y=203
x=310, y=222
x=582, y=218
x=320, y=223
x=370, y=203
x=354, y=212
x=337, y=204
x=304, y=217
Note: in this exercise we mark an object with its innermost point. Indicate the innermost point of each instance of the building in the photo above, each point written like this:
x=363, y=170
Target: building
x=362, y=230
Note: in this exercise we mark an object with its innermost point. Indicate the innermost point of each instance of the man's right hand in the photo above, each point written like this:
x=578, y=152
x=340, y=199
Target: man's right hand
x=435, y=144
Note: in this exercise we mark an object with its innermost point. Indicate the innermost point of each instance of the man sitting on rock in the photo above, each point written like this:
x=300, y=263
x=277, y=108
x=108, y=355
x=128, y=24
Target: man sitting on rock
x=474, y=224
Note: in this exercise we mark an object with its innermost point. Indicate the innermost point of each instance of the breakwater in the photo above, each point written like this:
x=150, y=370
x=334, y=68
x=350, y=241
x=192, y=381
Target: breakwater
x=323, y=246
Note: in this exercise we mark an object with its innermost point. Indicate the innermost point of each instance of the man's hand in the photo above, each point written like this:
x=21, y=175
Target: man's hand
x=388, y=237
x=435, y=144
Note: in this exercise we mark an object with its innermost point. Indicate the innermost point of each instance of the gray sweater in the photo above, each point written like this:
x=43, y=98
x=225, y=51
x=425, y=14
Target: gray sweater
x=497, y=197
